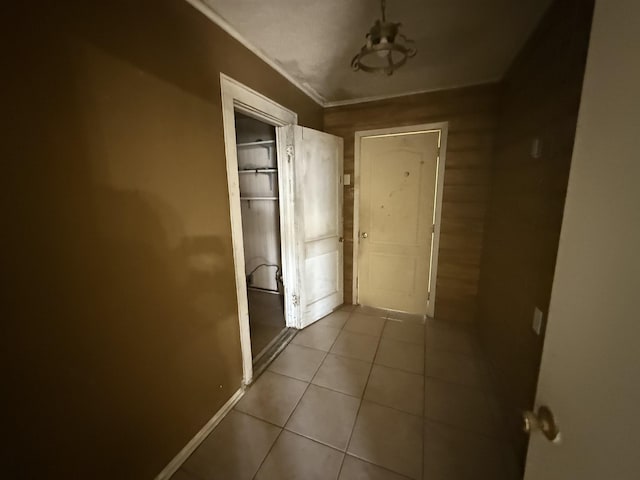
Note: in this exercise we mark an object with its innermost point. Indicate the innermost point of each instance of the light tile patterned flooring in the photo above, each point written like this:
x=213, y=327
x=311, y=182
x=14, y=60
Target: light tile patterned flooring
x=363, y=395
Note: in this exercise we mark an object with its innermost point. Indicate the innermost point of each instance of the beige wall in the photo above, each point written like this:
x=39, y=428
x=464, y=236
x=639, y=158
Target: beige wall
x=540, y=100
x=471, y=113
x=121, y=331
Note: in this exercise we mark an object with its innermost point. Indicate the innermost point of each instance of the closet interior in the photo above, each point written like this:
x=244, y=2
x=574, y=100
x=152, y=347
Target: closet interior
x=259, y=200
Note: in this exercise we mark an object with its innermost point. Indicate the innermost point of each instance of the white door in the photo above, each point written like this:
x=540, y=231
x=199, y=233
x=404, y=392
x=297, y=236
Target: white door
x=398, y=178
x=317, y=163
x=590, y=371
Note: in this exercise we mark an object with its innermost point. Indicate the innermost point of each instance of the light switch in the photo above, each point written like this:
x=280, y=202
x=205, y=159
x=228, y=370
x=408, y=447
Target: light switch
x=537, y=320
x=536, y=148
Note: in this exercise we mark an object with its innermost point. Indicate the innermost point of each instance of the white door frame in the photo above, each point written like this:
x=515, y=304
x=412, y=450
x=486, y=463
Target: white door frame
x=443, y=128
x=237, y=97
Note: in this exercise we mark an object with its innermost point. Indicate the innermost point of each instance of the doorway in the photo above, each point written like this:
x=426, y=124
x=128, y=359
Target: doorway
x=260, y=211
x=245, y=104
x=399, y=174
x=299, y=174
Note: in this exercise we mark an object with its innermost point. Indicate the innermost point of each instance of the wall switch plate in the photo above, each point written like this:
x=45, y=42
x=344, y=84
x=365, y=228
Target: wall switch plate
x=347, y=179
x=537, y=320
x=536, y=148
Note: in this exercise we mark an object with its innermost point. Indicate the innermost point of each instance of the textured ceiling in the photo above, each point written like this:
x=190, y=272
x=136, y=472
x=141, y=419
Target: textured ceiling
x=459, y=42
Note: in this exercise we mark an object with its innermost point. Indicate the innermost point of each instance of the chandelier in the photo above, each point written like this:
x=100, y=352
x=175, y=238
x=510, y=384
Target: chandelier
x=385, y=50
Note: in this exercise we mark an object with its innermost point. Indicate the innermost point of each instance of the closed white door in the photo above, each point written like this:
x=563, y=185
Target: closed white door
x=590, y=371
x=398, y=179
x=317, y=163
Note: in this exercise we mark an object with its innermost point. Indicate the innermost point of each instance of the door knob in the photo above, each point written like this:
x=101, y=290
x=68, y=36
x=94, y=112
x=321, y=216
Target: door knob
x=543, y=421
x=364, y=235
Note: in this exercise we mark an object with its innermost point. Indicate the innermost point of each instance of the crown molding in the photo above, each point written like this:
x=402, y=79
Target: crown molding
x=208, y=12
x=376, y=98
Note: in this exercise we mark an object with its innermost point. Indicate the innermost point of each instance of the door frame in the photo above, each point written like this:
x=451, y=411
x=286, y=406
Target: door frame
x=443, y=128
x=237, y=97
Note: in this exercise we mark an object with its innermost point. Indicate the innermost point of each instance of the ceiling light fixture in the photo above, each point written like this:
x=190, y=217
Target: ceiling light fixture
x=385, y=50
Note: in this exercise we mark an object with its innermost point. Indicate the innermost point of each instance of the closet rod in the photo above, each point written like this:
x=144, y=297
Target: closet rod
x=256, y=144
x=258, y=198
x=258, y=170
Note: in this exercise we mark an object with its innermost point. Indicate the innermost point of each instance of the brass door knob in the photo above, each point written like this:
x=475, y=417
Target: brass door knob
x=543, y=421
x=364, y=235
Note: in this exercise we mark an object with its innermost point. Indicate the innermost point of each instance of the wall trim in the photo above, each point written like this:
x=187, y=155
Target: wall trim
x=443, y=128
x=238, y=97
x=376, y=98
x=174, y=465
x=208, y=12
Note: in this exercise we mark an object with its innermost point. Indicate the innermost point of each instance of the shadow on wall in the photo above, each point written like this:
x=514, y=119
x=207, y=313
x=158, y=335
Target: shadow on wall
x=116, y=336
x=120, y=329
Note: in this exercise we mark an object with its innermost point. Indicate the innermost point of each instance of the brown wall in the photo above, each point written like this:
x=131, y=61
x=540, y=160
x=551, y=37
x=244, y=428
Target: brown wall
x=471, y=113
x=540, y=100
x=119, y=324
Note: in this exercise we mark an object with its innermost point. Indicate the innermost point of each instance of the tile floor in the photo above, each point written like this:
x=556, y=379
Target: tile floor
x=363, y=395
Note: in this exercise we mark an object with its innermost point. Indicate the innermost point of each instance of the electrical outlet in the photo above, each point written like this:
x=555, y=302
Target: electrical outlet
x=537, y=320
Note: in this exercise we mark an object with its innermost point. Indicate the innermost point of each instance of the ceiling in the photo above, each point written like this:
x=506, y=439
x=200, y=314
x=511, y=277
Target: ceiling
x=459, y=42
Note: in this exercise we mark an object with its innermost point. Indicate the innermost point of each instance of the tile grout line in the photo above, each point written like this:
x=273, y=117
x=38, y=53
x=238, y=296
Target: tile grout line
x=343, y=393
x=282, y=429
x=366, y=384
x=361, y=399
x=452, y=382
x=329, y=351
x=474, y=354
x=379, y=466
x=425, y=419
x=465, y=430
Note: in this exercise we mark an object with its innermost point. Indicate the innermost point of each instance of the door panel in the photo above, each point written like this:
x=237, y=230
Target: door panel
x=398, y=175
x=590, y=370
x=321, y=191
x=318, y=197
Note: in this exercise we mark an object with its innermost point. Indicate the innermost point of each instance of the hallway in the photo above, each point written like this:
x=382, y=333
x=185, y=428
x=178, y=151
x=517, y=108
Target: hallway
x=362, y=394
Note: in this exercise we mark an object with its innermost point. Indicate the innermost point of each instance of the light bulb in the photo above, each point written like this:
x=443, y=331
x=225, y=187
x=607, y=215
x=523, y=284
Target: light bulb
x=383, y=53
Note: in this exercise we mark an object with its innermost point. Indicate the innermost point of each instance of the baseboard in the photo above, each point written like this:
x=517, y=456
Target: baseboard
x=175, y=464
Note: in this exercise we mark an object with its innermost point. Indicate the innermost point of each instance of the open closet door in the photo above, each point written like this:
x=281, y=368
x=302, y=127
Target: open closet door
x=316, y=158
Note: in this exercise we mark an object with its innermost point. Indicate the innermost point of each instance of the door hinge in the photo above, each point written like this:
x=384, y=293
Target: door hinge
x=428, y=295
x=295, y=299
x=290, y=151
x=433, y=228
